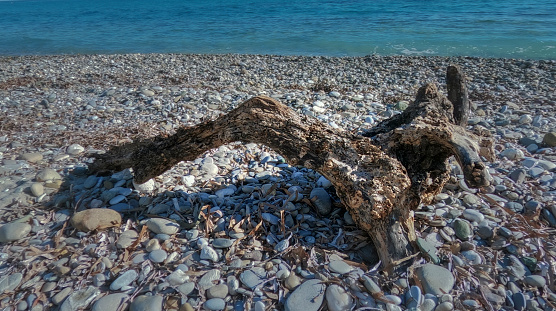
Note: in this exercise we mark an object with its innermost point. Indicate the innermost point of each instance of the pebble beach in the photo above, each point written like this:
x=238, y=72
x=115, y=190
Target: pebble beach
x=241, y=229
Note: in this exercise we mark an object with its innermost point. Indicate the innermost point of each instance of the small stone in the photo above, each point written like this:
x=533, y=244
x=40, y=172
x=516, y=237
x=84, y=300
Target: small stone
x=370, y=285
x=215, y=304
x=535, y=280
x=158, y=255
x=177, y=277
x=124, y=280
x=95, y=219
x=147, y=303
x=217, y=291
x=222, y=243
x=186, y=288
x=208, y=278
x=127, y=238
x=47, y=174
x=518, y=175
x=445, y=306
x=209, y=253
x=339, y=266
x=292, y=281
x=428, y=249
x=60, y=296
x=253, y=277
x=462, y=229
x=14, y=231
x=90, y=182
x=37, y=189
x=322, y=200
x=188, y=180
x=161, y=225
x=80, y=299
x=117, y=301
x=32, y=157
x=307, y=296
x=473, y=215
x=75, y=149
x=10, y=282
x=209, y=168
x=338, y=299
x=435, y=279
x=549, y=139
x=519, y=301
x=145, y=187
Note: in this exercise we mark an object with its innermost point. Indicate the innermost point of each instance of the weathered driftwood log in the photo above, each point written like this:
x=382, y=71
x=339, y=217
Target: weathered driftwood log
x=379, y=176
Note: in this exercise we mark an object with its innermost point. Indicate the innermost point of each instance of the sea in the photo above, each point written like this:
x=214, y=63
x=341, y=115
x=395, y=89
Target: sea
x=524, y=29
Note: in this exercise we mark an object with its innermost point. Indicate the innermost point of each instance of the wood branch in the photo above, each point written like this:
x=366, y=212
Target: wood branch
x=379, y=176
x=457, y=94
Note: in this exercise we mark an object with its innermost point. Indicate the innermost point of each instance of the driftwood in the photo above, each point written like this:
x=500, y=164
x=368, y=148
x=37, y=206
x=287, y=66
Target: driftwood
x=380, y=176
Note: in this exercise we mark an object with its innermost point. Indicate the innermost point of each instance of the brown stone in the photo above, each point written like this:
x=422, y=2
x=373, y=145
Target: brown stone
x=95, y=219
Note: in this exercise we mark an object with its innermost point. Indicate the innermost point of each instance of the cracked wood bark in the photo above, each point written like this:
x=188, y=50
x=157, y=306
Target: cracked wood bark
x=379, y=176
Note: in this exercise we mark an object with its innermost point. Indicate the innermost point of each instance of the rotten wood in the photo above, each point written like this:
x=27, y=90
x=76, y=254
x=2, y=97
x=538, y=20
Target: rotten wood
x=380, y=176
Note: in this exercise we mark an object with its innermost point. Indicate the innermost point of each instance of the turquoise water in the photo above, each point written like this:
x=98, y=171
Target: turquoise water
x=487, y=28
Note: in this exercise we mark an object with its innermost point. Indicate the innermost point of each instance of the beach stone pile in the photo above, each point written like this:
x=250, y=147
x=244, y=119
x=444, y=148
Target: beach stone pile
x=241, y=229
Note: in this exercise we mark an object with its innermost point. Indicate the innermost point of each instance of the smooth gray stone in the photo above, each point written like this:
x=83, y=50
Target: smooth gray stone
x=473, y=215
x=147, y=303
x=428, y=249
x=445, y=306
x=462, y=229
x=127, y=238
x=177, y=277
x=217, y=291
x=111, y=302
x=90, y=182
x=158, y=255
x=428, y=305
x=370, y=285
x=208, y=278
x=414, y=297
x=14, y=231
x=222, y=243
x=215, y=304
x=186, y=288
x=253, y=277
x=61, y=295
x=209, y=253
x=124, y=280
x=322, y=200
x=519, y=301
x=161, y=225
x=10, y=282
x=306, y=297
x=435, y=279
x=518, y=175
x=80, y=299
x=338, y=299
x=339, y=266
x=535, y=280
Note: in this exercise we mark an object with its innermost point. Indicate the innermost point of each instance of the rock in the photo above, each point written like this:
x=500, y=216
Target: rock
x=186, y=288
x=209, y=168
x=428, y=249
x=127, y=238
x=37, y=189
x=32, y=157
x=445, y=306
x=117, y=301
x=145, y=187
x=14, y=231
x=512, y=154
x=147, y=303
x=80, y=299
x=161, y=225
x=90, y=182
x=177, y=277
x=208, y=278
x=124, y=280
x=60, y=296
x=307, y=297
x=215, y=304
x=414, y=297
x=370, y=285
x=217, y=291
x=75, y=149
x=435, y=279
x=209, y=253
x=188, y=180
x=253, y=277
x=322, y=200
x=158, y=255
x=549, y=139
x=338, y=299
x=222, y=243
x=292, y=281
x=518, y=175
x=473, y=215
x=48, y=174
x=95, y=219
x=535, y=280
x=10, y=282
x=339, y=266
x=462, y=229
x=519, y=301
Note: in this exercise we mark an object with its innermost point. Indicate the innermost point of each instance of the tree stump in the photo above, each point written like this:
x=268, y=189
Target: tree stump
x=380, y=176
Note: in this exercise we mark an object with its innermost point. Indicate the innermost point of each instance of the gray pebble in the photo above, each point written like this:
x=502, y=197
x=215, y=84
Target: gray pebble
x=222, y=243
x=339, y=266
x=126, y=238
x=80, y=299
x=338, y=299
x=186, y=288
x=147, y=303
x=322, y=200
x=10, y=282
x=535, y=280
x=209, y=253
x=307, y=296
x=124, y=279
x=117, y=301
x=208, y=278
x=215, y=304
x=161, y=225
x=14, y=231
x=435, y=279
x=177, y=277
x=253, y=277
x=217, y=291
x=158, y=255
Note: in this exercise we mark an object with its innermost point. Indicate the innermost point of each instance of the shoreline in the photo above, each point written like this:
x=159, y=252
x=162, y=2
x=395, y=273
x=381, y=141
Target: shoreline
x=55, y=109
